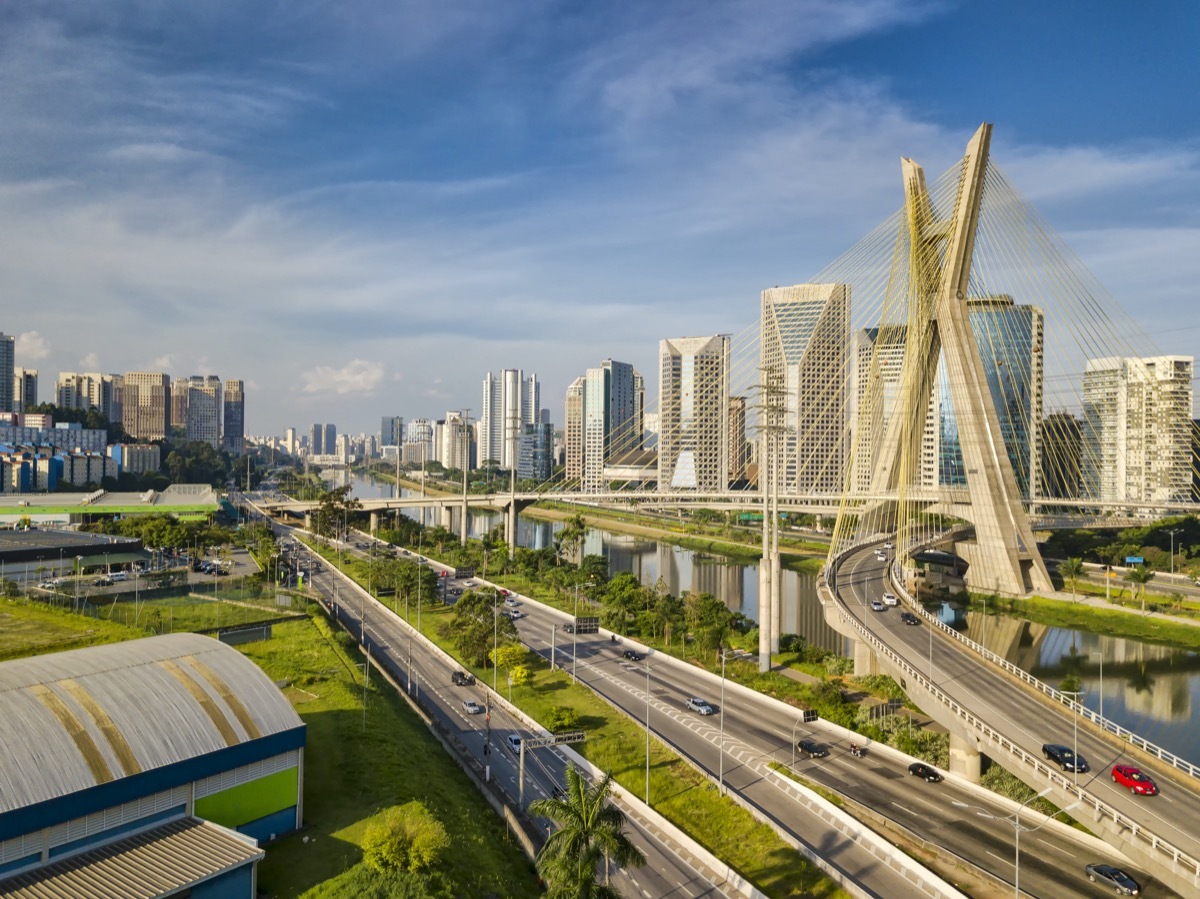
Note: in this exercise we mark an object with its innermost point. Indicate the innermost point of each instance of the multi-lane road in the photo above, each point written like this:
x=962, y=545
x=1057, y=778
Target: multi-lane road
x=1022, y=715
x=971, y=823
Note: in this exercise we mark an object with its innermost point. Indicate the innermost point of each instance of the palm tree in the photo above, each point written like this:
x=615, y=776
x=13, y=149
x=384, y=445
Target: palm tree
x=1071, y=571
x=590, y=830
x=1140, y=577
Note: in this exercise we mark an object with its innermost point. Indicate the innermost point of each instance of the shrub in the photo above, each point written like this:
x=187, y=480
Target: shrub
x=560, y=718
x=406, y=838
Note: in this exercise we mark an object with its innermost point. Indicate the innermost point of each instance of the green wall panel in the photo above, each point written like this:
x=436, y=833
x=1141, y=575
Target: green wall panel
x=250, y=801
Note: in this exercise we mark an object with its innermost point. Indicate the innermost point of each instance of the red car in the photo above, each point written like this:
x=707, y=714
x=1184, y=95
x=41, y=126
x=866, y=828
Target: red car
x=1134, y=779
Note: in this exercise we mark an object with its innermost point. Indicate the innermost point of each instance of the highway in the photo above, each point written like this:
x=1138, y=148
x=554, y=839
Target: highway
x=425, y=672
x=1022, y=715
x=969, y=822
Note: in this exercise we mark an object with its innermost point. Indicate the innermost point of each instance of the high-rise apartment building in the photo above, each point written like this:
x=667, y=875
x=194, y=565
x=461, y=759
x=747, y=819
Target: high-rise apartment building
x=25, y=388
x=805, y=350
x=1135, y=440
x=510, y=401
x=91, y=390
x=204, y=410
x=739, y=449
x=693, y=442
x=181, y=389
x=7, y=364
x=233, y=427
x=573, y=432
x=391, y=430
x=611, y=425
x=147, y=405
x=291, y=442
x=1061, y=456
x=456, y=442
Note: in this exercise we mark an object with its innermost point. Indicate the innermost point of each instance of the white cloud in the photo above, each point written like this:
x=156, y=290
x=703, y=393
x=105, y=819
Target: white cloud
x=90, y=362
x=162, y=363
x=356, y=376
x=31, y=346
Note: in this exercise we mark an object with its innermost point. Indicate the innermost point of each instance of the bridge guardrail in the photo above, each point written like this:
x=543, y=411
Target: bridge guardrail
x=1134, y=830
x=1170, y=758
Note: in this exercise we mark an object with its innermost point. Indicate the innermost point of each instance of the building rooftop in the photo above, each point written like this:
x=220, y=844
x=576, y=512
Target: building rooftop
x=77, y=719
x=157, y=862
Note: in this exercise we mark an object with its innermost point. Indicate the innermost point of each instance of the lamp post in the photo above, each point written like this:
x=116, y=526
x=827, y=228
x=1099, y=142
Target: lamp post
x=575, y=631
x=721, y=759
x=553, y=634
x=1015, y=821
x=495, y=632
x=1173, y=532
x=794, y=726
x=1075, y=694
x=1101, y=655
x=647, y=733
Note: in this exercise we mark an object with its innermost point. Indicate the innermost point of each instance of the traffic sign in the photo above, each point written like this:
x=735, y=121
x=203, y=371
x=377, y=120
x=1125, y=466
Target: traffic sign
x=587, y=625
x=1134, y=560
x=571, y=736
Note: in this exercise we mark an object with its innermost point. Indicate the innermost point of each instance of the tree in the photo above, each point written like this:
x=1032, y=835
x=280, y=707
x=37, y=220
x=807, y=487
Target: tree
x=475, y=624
x=589, y=830
x=570, y=536
x=333, y=511
x=407, y=838
x=1071, y=571
x=1140, y=576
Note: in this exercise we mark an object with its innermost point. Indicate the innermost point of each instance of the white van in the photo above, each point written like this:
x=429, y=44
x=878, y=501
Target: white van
x=889, y=599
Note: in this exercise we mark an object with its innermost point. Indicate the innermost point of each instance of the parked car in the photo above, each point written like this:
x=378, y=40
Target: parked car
x=699, y=706
x=909, y=618
x=47, y=585
x=812, y=749
x=1134, y=780
x=889, y=599
x=925, y=772
x=633, y=655
x=1114, y=877
x=1065, y=758
x=102, y=581
x=119, y=576
x=462, y=678
x=471, y=707
x=877, y=605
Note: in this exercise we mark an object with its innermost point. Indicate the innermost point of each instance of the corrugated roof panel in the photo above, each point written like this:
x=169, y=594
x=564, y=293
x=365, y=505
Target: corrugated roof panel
x=165, y=859
x=124, y=698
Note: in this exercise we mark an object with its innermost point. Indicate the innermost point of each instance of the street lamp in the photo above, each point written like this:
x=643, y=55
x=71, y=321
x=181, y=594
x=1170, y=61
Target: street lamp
x=1173, y=532
x=1101, y=655
x=647, y=733
x=799, y=721
x=575, y=631
x=553, y=635
x=1015, y=821
x=721, y=761
x=1075, y=694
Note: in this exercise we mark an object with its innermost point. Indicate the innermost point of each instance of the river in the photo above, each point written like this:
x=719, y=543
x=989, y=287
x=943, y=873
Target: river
x=1147, y=688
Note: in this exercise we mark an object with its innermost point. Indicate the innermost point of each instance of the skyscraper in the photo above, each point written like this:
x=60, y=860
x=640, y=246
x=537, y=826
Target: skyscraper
x=90, y=390
x=534, y=460
x=147, y=405
x=330, y=440
x=805, y=350
x=573, y=431
x=316, y=440
x=693, y=443
x=610, y=422
x=181, y=389
x=510, y=400
x=25, y=388
x=204, y=410
x=7, y=364
x=233, y=433
x=1136, y=432
x=391, y=430
x=739, y=449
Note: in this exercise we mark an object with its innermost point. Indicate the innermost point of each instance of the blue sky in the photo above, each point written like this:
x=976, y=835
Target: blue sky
x=360, y=208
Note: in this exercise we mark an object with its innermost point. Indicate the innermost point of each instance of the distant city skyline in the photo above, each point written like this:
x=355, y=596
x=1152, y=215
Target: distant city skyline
x=362, y=215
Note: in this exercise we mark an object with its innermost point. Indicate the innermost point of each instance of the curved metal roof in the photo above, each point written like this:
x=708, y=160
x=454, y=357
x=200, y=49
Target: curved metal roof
x=76, y=719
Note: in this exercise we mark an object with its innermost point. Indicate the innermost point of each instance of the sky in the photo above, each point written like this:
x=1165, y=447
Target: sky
x=360, y=208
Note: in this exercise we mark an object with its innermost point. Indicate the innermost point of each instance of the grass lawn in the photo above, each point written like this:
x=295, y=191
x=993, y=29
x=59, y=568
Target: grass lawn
x=33, y=628
x=172, y=614
x=350, y=775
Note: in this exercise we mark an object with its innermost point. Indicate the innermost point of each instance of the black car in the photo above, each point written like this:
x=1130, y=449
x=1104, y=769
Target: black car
x=925, y=772
x=1114, y=877
x=632, y=655
x=812, y=749
x=103, y=582
x=462, y=678
x=1065, y=758
x=909, y=618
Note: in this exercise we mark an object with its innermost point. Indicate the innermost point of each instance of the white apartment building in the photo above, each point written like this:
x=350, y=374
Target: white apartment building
x=1136, y=431
x=510, y=401
x=693, y=443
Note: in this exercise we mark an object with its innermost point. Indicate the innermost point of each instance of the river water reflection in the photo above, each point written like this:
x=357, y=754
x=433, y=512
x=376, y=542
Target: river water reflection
x=1147, y=688
x=735, y=584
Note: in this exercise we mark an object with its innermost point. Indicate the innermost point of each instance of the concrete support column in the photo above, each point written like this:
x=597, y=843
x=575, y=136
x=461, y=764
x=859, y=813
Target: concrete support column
x=964, y=757
x=765, y=615
x=446, y=520
x=510, y=531
x=374, y=522
x=308, y=521
x=776, y=601
x=865, y=660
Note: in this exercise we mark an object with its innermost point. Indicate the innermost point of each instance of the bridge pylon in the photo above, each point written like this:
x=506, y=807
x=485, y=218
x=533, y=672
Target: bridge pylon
x=1004, y=556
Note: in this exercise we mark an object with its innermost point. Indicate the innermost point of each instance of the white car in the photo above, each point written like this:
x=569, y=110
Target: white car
x=471, y=707
x=877, y=605
x=699, y=706
x=511, y=602
x=889, y=599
